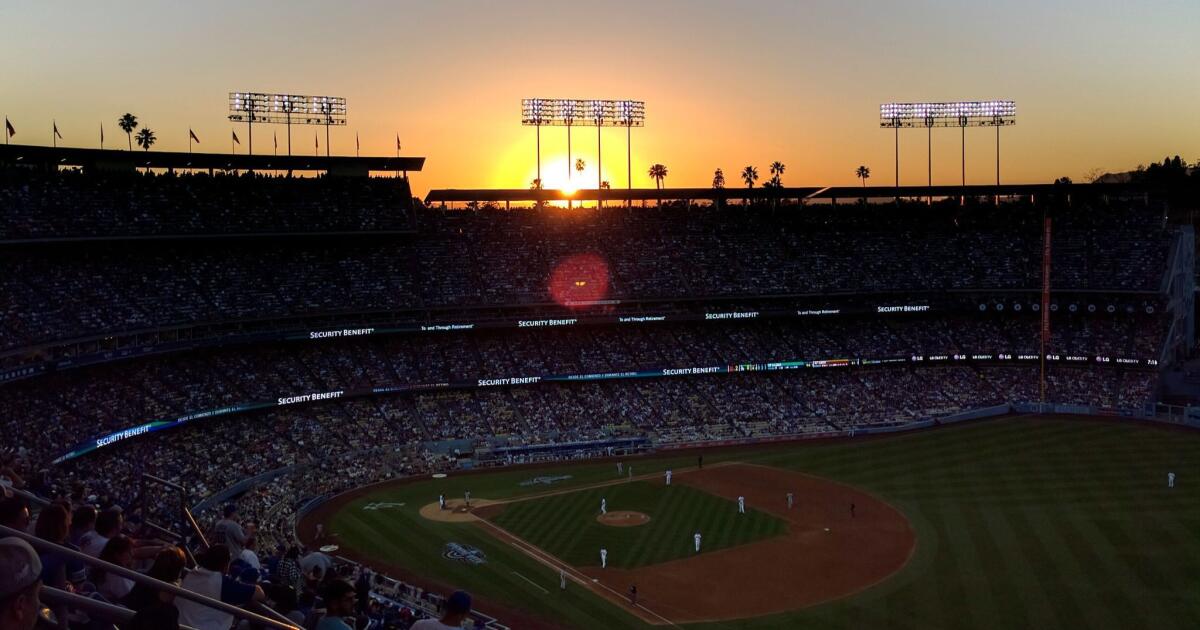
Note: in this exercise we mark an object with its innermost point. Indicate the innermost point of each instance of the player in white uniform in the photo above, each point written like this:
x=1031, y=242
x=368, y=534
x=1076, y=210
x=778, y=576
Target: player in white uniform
x=562, y=579
x=603, y=558
x=696, y=539
x=741, y=505
x=789, y=500
x=604, y=506
x=1170, y=480
x=620, y=468
x=467, y=494
x=442, y=501
x=668, y=476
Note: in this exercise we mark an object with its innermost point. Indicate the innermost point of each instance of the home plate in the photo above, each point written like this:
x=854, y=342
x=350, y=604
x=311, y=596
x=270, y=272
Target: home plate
x=826, y=529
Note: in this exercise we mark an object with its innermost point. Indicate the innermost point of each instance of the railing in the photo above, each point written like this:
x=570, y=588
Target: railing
x=93, y=607
x=281, y=623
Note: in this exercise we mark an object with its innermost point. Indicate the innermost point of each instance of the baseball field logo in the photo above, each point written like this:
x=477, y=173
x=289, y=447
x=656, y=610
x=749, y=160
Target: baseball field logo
x=463, y=553
x=545, y=480
x=382, y=506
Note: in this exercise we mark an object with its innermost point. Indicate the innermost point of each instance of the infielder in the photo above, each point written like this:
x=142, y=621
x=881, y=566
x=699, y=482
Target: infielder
x=1170, y=480
x=696, y=539
x=562, y=579
x=741, y=505
x=467, y=494
x=442, y=501
x=668, y=476
x=603, y=558
x=620, y=469
x=789, y=500
x=604, y=506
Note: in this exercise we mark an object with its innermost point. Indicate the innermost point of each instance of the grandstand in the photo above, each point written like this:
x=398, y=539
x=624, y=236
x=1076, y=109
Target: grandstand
x=195, y=337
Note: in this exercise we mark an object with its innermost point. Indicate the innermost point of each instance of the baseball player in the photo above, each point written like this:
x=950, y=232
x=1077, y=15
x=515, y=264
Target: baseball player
x=467, y=494
x=851, y=510
x=631, y=472
x=562, y=579
x=603, y=558
x=789, y=500
x=633, y=594
x=620, y=469
x=1170, y=480
x=696, y=539
x=442, y=501
x=604, y=506
x=668, y=476
x=741, y=505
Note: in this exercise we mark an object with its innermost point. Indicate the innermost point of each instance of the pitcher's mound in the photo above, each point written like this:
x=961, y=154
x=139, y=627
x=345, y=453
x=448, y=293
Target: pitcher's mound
x=456, y=510
x=623, y=518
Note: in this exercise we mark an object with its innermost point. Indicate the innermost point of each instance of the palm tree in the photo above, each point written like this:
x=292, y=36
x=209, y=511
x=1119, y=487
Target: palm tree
x=605, y=185
x=863, y=173
x=718, y=179
x=146, y=138
x=658, y=172
x=579, y=165
x=128, y=123
x=749, y=175
x=777, y=169
x=536, y=184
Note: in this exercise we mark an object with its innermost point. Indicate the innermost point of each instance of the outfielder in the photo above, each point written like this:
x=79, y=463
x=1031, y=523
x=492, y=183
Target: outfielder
x=603, y=558
x=1170, y=480
x=741, y=505
x=604, y=506
x=789, y=500
x=696, y=539
x=562, y=579
x=668, y=476
x=620, y=468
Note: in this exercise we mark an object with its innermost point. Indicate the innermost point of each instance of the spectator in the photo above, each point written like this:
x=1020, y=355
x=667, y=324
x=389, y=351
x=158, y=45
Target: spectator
x=288, y=572
x=119, y=551
x=83, y=520
x=249, y=556
x=209, y=579
x=228, y=532
x=457, y=609
x=20, y=585
x=151, y=604
x=53, y=525
x=108, y=525
x=14, y=512
x=339, y=606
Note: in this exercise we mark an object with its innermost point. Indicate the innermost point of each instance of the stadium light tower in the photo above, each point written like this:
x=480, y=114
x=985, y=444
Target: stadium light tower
x=629, y=114
x=600, y=112
x=960, y=114
x=536, y=112
x=286, y=109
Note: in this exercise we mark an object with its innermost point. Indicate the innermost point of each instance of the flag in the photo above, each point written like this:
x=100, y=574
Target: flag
x=356, y=145
x=275, y=135
x=101, y=134
x=192, y=135
x=56, y=131
x=316, y=143
x=235, y=138
x=397, y=142
x=9, y=128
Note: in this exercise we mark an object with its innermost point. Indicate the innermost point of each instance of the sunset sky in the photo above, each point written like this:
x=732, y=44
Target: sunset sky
x=1098, y=85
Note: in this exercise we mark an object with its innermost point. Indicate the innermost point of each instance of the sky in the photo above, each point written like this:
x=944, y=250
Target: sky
x=1099, y=85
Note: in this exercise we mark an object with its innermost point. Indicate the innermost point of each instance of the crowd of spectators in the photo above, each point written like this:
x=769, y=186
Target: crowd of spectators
x=72, y=205
x=490, y=258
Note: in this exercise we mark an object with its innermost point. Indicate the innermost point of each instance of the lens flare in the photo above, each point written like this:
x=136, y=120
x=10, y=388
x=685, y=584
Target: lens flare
x=580, y=280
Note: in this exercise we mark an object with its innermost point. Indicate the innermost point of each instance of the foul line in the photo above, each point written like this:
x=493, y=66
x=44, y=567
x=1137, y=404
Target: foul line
x=550, y=561
x=535, y=584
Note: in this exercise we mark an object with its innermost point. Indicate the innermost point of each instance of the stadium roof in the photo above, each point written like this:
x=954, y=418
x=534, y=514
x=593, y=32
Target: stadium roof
x=108, y=159
x=804, y=192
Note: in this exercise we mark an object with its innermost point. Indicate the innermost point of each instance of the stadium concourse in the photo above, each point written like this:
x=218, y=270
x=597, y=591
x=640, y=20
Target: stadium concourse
x=208, y=330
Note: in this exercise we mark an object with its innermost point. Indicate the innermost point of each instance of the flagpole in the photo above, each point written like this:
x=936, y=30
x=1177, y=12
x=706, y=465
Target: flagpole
x=54, y=136
x=101, y=136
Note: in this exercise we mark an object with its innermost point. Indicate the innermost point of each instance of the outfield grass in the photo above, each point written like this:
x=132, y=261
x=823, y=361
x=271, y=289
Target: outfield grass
x=1020, y=522
x=565, y=524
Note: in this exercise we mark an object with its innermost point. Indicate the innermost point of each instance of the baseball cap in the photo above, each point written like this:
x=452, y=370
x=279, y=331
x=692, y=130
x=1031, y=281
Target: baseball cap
x=20, y=566
x=459, y=602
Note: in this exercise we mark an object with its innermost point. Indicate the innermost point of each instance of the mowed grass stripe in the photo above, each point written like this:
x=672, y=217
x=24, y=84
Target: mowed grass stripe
x=565, y=525
x=1078, y=577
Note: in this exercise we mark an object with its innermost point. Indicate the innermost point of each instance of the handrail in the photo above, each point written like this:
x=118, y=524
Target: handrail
x=161, y=481
x=110, y=612
x=187, y=514
x=40, y=501
x=147, y=580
